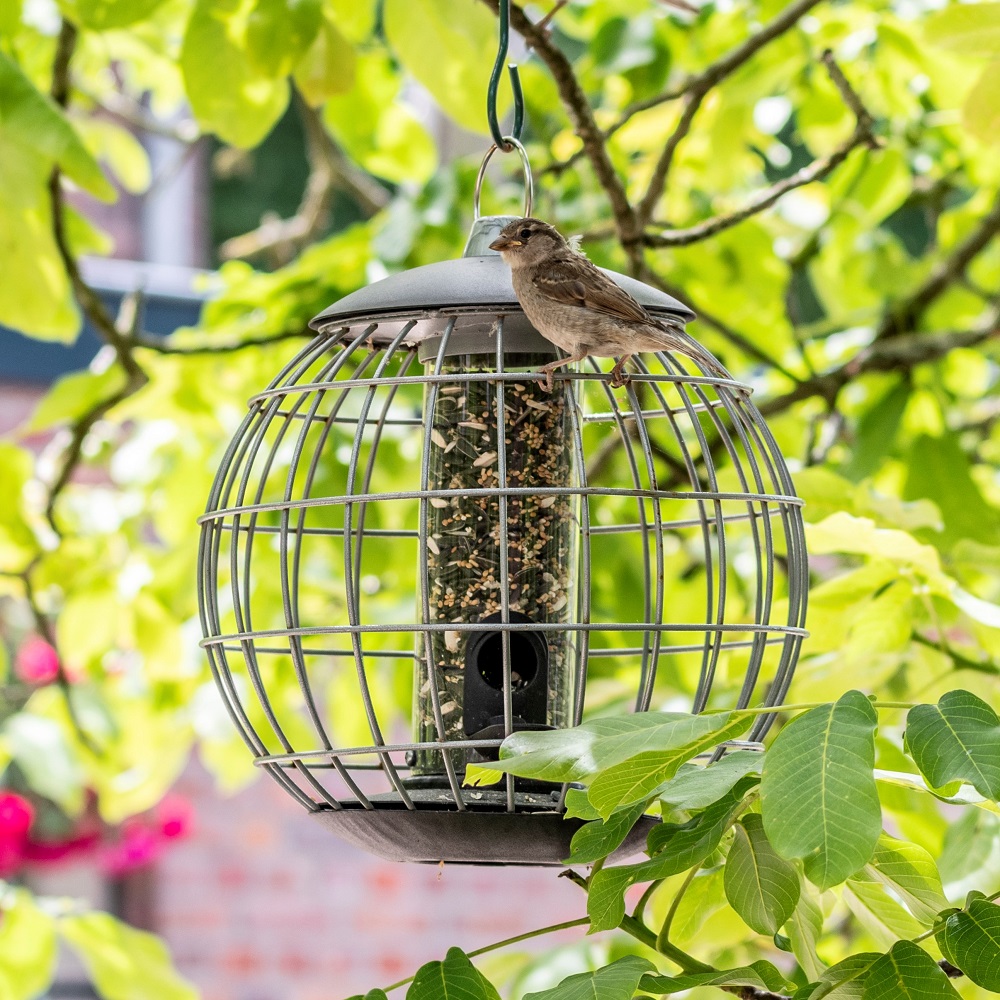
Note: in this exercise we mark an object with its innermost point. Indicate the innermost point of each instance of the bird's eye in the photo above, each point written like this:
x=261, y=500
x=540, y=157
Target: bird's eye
x=524, y=233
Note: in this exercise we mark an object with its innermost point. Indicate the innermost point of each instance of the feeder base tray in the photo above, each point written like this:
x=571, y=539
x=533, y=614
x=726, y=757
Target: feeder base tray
x=472, y=837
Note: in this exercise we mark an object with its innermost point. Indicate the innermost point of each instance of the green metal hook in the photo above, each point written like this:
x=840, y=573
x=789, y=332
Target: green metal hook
x=515, y=86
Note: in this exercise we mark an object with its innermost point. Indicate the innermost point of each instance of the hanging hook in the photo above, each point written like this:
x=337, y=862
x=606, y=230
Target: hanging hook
x=515, y=85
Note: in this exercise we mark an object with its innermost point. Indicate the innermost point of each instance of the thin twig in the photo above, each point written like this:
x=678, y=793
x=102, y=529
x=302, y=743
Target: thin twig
x=696, y=88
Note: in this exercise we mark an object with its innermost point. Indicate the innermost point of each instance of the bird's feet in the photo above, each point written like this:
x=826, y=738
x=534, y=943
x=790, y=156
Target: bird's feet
x=545, y=379
x=619, y=377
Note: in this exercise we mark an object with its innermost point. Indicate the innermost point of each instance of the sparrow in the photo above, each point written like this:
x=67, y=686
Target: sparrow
x=574, y=304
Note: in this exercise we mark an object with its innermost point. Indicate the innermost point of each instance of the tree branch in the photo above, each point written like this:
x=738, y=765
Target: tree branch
x=214, y=347
x=696, y=88
x=904, y=318
x=897, y=354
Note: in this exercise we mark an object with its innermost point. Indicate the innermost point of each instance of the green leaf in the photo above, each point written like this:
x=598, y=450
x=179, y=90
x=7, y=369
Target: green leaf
x=73, y=395
x=846, y=979
x=280, y=32
x=354, y=18
x=375, y=994
x=327, y=68
x=970, y=29
x=818, y=795
x=696, y=787
x=970, y=940
x=676, y=848
x=876, y=432
x=938, y=468
x=124, y=963
x=577, y=804
x=761, y=975
x=842, y=532
x=40, y=749
x=761, y=886
x=804, y=929
x=601, y=837
x=578, y=753
x=456, y=978
x=956, y=740
x=884, y=918
x=228, y=95
x=981, y=111
x=17, y=540
x=636, y=779
x=376, y=128
x=27, y=948
x=617, y=981
x=104, y=15
x=910, y=872
x=462, y=37
x=907, y=973
x=31, y=121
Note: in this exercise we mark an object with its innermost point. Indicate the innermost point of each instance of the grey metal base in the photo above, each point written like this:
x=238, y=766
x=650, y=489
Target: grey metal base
x=467, y=838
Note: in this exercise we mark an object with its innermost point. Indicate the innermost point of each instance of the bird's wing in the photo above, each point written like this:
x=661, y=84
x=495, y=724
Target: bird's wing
x=577, y=282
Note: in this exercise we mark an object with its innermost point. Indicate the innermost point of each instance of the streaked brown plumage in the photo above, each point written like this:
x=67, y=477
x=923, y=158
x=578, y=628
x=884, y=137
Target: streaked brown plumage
x=580, y=309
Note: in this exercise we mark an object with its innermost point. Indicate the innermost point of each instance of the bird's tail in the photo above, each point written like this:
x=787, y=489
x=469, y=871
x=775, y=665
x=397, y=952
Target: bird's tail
x=681, y=340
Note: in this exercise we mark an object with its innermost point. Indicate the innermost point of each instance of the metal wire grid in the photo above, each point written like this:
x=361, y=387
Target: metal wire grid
x=286, y=436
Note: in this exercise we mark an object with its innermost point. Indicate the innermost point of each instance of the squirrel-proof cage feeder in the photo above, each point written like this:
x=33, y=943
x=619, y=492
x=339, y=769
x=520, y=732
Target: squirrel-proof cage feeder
x=412, y=439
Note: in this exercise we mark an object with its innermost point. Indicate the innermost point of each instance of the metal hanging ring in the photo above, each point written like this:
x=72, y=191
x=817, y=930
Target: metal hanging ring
x=499, y=139
x=529, y=189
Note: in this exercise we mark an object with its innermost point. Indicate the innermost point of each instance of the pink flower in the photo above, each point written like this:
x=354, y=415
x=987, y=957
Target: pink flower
x=16, y=815
x=137, y=847
x=37, y=662
x=173, y=816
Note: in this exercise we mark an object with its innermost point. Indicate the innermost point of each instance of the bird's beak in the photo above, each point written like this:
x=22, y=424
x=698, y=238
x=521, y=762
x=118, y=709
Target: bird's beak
x=505, y=243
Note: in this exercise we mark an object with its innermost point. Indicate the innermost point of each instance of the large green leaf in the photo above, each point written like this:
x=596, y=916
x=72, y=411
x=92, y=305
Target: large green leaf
x=907, y=973
x=937, y=468
x=17, y=540
x=970, y=940
x=958, y=739
x=635, y=779
x=675, y=848
x=981, y=111
x=879, y=913
x=327, y=67
x=971, y=29
x=804, y=929
x=376, y=128
x=30, y=120
x=599, y=838
x=818, y=795
x=461, y=35
x=761, y=975
x=761, y=886
x=280, y=32
x=910, y=872
x=846, y=979
x=228, y=95
x=617, y=981
x=124, y=963
x=27, y=948
x=456, y=978
x=73, y=395
x=696, y=786
x=578, y=753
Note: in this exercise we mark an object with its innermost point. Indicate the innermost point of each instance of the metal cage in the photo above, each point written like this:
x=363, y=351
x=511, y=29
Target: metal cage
x=370, y=533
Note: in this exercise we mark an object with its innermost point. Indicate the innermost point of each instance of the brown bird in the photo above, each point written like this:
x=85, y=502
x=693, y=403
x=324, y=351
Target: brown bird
x=580, y=309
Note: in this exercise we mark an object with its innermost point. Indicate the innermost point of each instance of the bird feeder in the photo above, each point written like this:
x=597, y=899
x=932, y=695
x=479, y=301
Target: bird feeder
x=405, y=506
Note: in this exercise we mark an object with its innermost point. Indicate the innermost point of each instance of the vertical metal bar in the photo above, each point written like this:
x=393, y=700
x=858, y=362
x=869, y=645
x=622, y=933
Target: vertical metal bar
x=353, y=605
x=430, y=402
x=501, y=421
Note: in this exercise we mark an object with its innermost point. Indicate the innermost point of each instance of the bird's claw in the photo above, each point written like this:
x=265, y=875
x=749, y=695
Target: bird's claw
x=620, y=379
x=545, y=379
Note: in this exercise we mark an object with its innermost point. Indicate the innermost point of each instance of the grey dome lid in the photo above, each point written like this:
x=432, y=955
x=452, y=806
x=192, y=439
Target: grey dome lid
x=468, y=284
